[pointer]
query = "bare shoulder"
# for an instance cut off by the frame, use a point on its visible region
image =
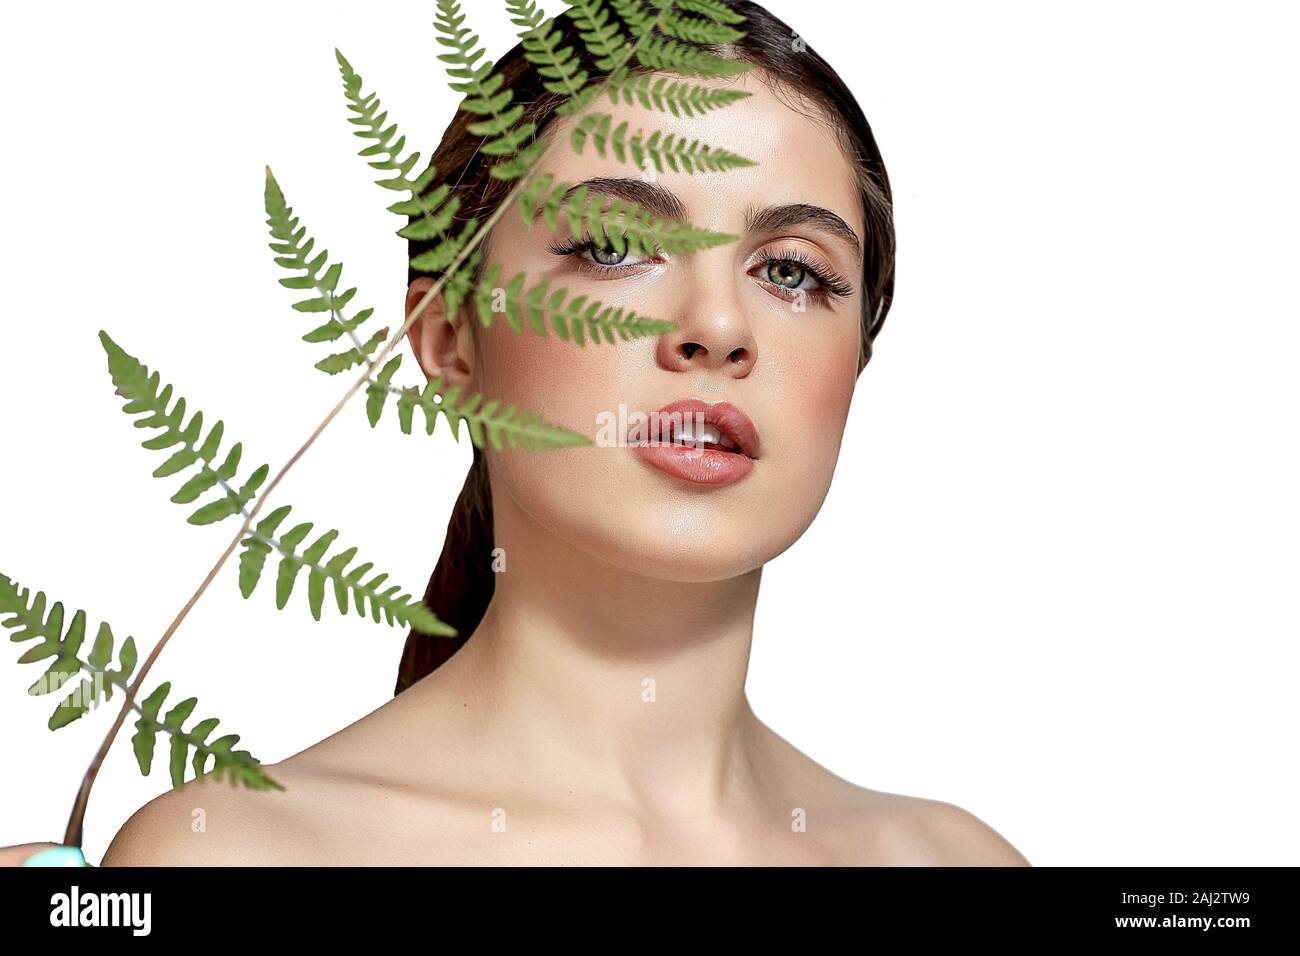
(210, 822)
(919, 831)
(866, 827)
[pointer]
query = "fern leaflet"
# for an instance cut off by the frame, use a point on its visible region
(662, 149)
(675, 97)
(503, 134)
(30, 619)
(292, 247)
(236, 766)
(135, 383)
(393, 606)
(621, 225)
(487, 421)
(713, 9)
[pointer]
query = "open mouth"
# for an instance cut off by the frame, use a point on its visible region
(699, 442)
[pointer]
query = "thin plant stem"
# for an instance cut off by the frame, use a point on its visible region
(73, 833)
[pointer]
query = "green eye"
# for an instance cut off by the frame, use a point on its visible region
(785, 273)
(607, 256)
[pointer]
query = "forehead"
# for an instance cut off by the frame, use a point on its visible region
(799, 156)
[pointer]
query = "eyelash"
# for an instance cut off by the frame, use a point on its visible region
(830, 284)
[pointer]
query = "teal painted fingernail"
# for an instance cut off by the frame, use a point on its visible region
(57, 856)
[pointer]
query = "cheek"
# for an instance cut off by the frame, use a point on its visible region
(567, 490)
(565, 383)
(820, 374)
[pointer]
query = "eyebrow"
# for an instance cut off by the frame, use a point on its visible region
(781, 218)
(662, 202)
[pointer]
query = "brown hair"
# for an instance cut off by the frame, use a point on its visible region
(462, 582)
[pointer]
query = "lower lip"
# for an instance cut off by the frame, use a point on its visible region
(703, 466)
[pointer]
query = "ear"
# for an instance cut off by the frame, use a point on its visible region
(443, 347)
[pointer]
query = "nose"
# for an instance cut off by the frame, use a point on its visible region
(722, 341)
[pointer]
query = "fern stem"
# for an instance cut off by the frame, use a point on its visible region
(73, 833)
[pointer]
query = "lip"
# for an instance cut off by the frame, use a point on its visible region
(704, 466)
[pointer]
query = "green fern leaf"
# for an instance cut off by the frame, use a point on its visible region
(621, 225)
(238, 767)
(30, 618)
(698, 30)
(599, 31)
(437, 259)
(574, 319)
(369, 116)
(359, 355)
(487, 421)
(293, 247)
(378, 391)
(713, 9)
(558, 65)
(664, 150)
(435, 208)
(147, 727)
(393, 606)
(634, 13)
(659, 93)
(670, 56)
(135, 383)
(503, 134)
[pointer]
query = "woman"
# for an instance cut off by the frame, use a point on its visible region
(597, 712)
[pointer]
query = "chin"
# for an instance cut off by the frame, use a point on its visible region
(691, 538)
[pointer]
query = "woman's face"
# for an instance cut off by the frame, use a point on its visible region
(769, 324)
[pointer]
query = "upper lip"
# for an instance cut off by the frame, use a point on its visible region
(725, 417)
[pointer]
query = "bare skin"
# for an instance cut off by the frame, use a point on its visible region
(598, 715)
(17, 855)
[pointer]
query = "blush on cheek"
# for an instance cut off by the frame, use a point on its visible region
(823, 382)
(564, 383)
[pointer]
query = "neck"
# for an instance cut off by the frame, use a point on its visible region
(633, 685)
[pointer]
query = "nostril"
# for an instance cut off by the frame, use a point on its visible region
(690, 348)
(740, 356)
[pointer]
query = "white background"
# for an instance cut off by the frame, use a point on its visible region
(1055, 579)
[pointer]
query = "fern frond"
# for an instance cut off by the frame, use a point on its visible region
(574, 319)
(238, 767)
(715, 11)
(599, 31)
(670, 56)
(435, 208)
(30, 616)
(634, 13)
(664, 150)
(369, 116)
(675, 97)
(487, 422)
(605, 41)
(621, 225)
(292, 247)
(698, 29)
(357, 355)
(558, 66)
(437, 259)
(135, 383)
(30, 619)
(503, 134)
(390, 604)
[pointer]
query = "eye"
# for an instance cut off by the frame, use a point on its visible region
(786, 273)
(600, 260)
(792, 273)
(607, 256)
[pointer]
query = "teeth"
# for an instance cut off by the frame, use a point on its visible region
(689, 434)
